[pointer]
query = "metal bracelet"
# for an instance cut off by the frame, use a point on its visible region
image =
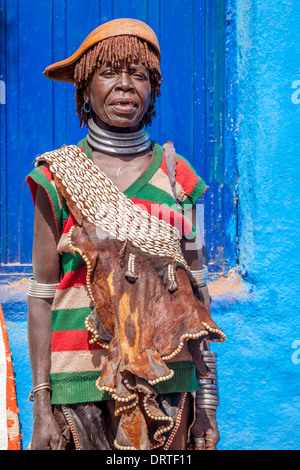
(211, 370)
(37, 388)
(36, 289)
(208, 393)
(208, 353)
(207, 380)
(200, 276)
(208, 387)
(207, 401)
(208, 396)
(209, 360)
(208, 407)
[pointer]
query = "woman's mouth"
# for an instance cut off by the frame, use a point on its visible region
(124, 106)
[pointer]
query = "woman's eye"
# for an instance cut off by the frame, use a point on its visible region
(139, 75)
(108, 73)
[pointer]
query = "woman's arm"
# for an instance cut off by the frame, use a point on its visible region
(193, 254)
(205, 429)
(46, 269)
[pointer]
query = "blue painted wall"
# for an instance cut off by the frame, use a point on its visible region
(260, 367)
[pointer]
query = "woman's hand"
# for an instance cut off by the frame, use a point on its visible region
(205, 430)
(46, 432)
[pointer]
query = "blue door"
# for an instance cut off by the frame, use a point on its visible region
(38, 115)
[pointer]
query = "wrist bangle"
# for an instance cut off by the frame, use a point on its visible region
(200, 276)
(44, 291)
(208, 396)
(37, 388)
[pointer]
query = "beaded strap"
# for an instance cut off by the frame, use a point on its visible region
(177, 424)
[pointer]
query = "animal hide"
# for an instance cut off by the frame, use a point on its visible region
(141, 323)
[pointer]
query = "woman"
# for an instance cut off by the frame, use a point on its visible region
(116, 319)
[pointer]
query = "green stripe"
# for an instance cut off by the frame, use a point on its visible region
(183, 380)
(195, 195)
(42, 180)
(65, 210)
(69, 319)
(78, 387)
(86, 148)
(81, 387)
(156, 195)
(71, 263)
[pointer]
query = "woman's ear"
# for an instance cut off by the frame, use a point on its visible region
(86, 92)
(152, 99)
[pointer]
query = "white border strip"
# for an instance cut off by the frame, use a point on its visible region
(3, 410)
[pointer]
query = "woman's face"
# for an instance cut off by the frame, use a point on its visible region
(120, 96)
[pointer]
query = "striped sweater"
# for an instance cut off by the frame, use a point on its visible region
(75, 363)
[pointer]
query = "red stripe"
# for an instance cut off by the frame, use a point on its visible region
(74, 279)
(73, 340)
(46, 172)
(33, 188)
(184, 175)
(69, 223)
(165, 213)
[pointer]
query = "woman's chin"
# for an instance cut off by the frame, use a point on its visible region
(121, 122)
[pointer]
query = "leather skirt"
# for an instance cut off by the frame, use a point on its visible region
(92, 426)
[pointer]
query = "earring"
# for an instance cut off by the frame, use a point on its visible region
(84, 107)
(150, 111)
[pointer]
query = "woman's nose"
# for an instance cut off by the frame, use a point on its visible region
(124, 81)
